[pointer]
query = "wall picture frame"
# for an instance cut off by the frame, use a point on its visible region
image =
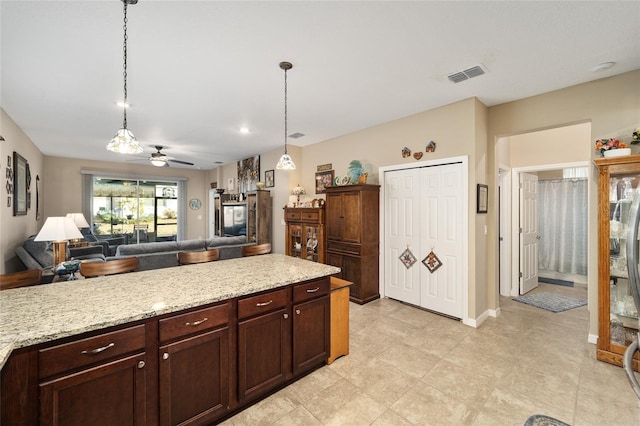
(482, 198)
(19, 185)
(324, 180)
(269, 178)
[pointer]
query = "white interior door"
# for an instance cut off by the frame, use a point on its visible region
(528, 232)
(402, 231)
(424, 212)
(441, 233)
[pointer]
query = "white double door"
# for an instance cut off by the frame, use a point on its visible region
(424, 213)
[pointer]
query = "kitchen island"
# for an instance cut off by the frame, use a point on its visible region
(242, 319)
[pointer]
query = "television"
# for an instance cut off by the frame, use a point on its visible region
(234, 219)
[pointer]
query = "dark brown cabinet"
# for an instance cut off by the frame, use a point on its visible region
(194, 371)
(305, 233)
(264, 344)
(259, 217)
(311, 329)
(353, 237)
(95, 381)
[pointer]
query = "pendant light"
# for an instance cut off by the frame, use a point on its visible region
(285, 163)
(124, 142)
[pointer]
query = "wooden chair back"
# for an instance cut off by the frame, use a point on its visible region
(256, 249)
(20, 279)
(116, 266)
(187, 257)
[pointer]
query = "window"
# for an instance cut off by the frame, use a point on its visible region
(141, 210)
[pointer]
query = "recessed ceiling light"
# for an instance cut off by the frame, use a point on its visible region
(603, 66)
(244, 130)
(122, 104)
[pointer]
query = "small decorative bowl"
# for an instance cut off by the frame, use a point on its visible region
(220, 190)
(260, 185)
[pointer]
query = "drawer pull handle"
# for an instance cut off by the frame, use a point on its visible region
(313, 290)
(141, 364)
(97, 351)
(196, 323)
(264, 304)
(285, 316)
(298, 311)
(165, 356)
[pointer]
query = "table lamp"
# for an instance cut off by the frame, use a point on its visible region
(58, 230)
(298, 191)
(80, 222)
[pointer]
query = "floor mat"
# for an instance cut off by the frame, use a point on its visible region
(555, 281)
(550, 301)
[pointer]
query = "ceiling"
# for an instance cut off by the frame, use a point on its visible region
(198, 71)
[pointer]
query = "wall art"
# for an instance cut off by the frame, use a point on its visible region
(19, 185)
(248, 174)
(482, 197)
(324, 180)
(269, 179)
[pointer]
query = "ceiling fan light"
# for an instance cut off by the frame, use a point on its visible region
(159, 162)
(285, 163)
(124, 142)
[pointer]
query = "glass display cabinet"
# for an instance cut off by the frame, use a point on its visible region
(618, 277)
(305, 233)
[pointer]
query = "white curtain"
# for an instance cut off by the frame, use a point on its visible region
(562, 214)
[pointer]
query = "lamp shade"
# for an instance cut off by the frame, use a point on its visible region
(285, 163)
(298, 190)
(78, 220)
(58, 228)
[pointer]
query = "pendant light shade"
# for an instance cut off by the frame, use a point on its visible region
(124, 142)
(285, 162)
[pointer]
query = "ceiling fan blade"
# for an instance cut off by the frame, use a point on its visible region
(181, 162)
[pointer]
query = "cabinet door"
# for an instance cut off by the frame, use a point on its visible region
(352, 217)
(312, 242)
(194, 378)
(334, 216)
(294, 242)
(264, 350)
(109, 394)
(310, 334)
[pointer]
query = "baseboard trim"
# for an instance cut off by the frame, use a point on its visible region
(475, 323)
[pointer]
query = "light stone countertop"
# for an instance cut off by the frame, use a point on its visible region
(34, 315)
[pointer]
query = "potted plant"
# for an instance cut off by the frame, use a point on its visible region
(612, 147)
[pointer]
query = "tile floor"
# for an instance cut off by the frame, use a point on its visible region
(411, 367)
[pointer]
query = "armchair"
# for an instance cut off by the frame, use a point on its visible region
(109, 245)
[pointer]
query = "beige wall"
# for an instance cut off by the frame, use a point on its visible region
(611, 105)
(63, 186)
(14, 229)
(458, 129)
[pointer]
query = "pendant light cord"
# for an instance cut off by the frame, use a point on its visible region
(285, 110)
(124, 73)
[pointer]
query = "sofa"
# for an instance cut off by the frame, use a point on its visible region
(39, 255)
(163, 254)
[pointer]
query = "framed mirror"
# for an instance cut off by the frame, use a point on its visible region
(20, 183)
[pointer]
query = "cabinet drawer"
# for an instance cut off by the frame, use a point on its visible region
(290, 216)
(310, 216)
(262, 303)
(344, 247)
(192, 322)
(88, 351)
(310, 290)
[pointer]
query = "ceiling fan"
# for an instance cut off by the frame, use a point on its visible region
(159, 159)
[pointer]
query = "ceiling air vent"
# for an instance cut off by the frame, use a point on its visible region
(296, 135)
(475, 71)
